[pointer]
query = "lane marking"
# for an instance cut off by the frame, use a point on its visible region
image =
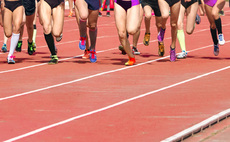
(113, 105)
(91, 76)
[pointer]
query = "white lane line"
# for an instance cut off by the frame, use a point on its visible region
(91, 76)
(197, 127)
(113, 105)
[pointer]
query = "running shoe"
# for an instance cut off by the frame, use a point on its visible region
(161, 35)
(216, 50)
(121, 48)
(34, 46)
(86, 54)
(131, 62)
(99, 14)
(182, 55)
(19, 46)
(82, 43)
(135, 51)
(4, 48)
(54, 60)
(30, 49)
(70, 14)
(146, 39)
(172, 54)
(108, 14)
(221, 39)
(198, 20)
(221, 13)
(92, 56)
(161, 50)
(10, 59)
(59, 38)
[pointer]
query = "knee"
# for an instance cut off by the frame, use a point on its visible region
(46, 28)
(173, 25)
(213, 26)
(165, 16)
(122, 34)
(148, 16)
(215, 14)
(92, 26)
(16, 28)
(180, 26)
(189, 31)
(8, 34)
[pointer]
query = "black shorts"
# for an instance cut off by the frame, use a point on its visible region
(187, 4)
(29, 6)
(12, 5)
(93, 4)
(54, 3)
(172, 2)
(154, 5)
(38, 0)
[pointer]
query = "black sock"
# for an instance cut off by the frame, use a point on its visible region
(218, 25)
(50, 42)
(214, 36)
(35, 27)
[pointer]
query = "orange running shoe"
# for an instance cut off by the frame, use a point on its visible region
(86, 54)
(131, 62)
(70, 14)
(146, 39)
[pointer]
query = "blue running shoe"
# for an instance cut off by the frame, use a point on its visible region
(198, 19)
(216, 50)
(82, 43)
(4, 48)
(92, 56)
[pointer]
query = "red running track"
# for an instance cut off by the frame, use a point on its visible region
(76, 100)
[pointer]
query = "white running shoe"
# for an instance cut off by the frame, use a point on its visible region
(221, 39)
(182, 55)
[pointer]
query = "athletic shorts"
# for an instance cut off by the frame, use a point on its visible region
(187, 4)
(29, 6)
(127, 4)
(199, 2)
(172, 2)
(38, 0)
(12, 5)
(210, 2)
(93, 4)
(154, 5)
(54, 3)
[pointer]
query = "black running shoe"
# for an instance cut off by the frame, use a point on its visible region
(135, 51)
(30, 48)
(108, 14)
(54, 60)
(121, 48)
(19, 46)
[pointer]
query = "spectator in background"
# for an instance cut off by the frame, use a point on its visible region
(107, 3)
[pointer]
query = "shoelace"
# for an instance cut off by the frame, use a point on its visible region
(82, 40)
(12, 57)
(220, 37)
(92, 54)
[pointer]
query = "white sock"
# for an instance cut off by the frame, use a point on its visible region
(13, 43)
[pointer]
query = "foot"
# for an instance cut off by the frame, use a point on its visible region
(34, 46)
(131, 62)
(182, 55)
(161, 35)
(135, 51)
(59, 38)
(86, 54)
(19, 46)
(146, 39)
(221, 39)
(54, 60)
(198, 20)
(108, 14)
(92, 56)
(4, 48)
(216, 50)
(161, 50)
(82, 43)
(70, 14)
(172, 54)
(30, 49)
(10, 59)
(100, 14)
(121, 48)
